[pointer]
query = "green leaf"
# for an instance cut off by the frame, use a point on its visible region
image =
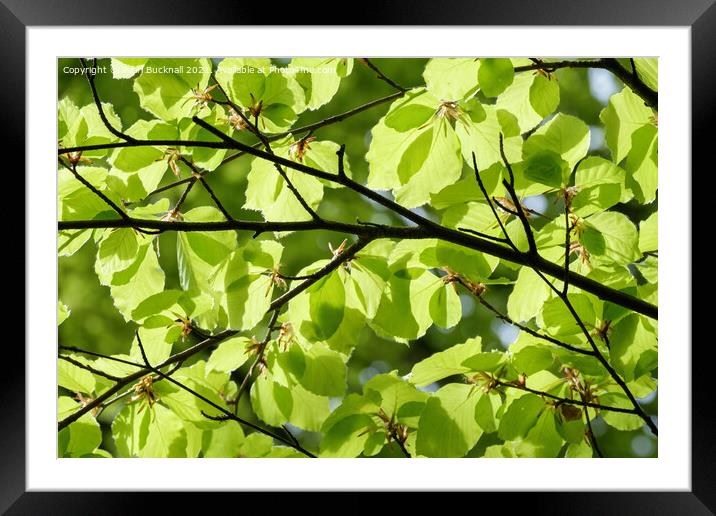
(75, 378)
(545, 167)
(82, 436)
(271, 401)
(445, 363)
(528, 296)
(619, 420)
(565, 135)
(399, 399)
(127, 67)
(629, 340)
(447, 425)
(411, 155)
(161, 303)
(199, 253)
(648, 70)
(346, 437)
(558, 320)
(543, 440)
(319, 369)
(649, 234)
(76, 201)
(625, 114)
(63, 312)
(530, 99)
(268, 193)
(117, 251)
(580, 450)
(155, 344)
(136, 171)
(143, 278)
(531, 359)
(599, 184)
(445, 307)
(165, 86)
(245, 293)
(495, 75)
(82, 127)
(613, 236)
(452, 78)
(71, 241)
(165, 434)
(481, 135)
(327, 299)
(572, 430)
(521, 415)
(404, 311)
(255, 84)
(206, 158)
(486, 361)
(642, 163)
(225, 441)
(320, 77)
(229, 355)
(486, 411)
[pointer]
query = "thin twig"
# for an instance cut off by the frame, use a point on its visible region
(566, 401)
(522, 327)
(510, 186)
(88, 368)
(380, 74)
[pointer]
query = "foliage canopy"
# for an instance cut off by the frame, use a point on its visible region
(490, 183)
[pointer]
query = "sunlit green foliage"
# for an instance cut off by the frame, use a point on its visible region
(463, 393)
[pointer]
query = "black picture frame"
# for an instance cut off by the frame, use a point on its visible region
(17, 15)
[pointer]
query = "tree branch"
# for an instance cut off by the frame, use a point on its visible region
(649, 96)
(522, 327)
(566, 401)
(226, 413)
(381, 231)
(380, 74)
(563, 295)
(510, 186)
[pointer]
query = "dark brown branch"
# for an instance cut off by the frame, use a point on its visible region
(341, 155)
(428, 228)
(381, 231)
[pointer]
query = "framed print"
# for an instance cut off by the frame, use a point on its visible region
(434, 268)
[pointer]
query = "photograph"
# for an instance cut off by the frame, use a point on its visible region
(357, 257)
